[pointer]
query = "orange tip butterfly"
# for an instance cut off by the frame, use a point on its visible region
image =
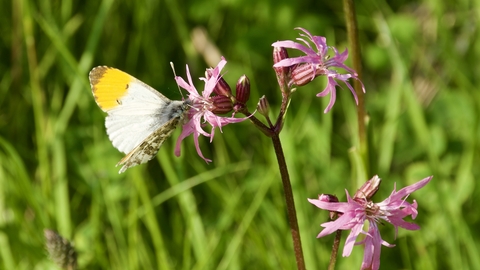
(139, 118)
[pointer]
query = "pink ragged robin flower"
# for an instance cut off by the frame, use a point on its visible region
(203, 106)
(354, 213)
(316, 62)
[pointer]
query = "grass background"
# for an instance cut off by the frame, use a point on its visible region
(57, 168)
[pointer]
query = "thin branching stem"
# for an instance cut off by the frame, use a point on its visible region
(274, 132)
(291, 212)
(268, 131)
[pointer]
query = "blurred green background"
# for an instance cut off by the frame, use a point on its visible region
(57, 166)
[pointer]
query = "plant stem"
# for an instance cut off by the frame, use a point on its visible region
(352, 30)
(287, 188)
(336, 244)
(268, 131)
(274, 133)
(283, 111)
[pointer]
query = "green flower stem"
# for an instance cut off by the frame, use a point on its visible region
(292, 215)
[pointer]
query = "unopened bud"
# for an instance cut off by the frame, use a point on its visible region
(279, 53)
(330, 198)
(305, 73)
(368, 189)
(283, 73)
(221, 88)
(263, 107)
(243, 90)
(221, 104)
(60, 250)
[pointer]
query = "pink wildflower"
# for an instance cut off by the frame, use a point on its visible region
(356, 211)
(315, 63)
(203, 106)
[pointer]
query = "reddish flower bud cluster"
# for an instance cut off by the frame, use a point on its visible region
(223, 101)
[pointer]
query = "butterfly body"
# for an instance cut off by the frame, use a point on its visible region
(139, 118)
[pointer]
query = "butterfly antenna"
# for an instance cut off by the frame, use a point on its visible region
(175, 74)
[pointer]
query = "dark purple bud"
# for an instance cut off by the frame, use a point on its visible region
(283, 73)
(263, 106)
(330, 198)
(221, 104)
(243, 90)
(279, 53)
(368, 189)
(221, 88)
(327, 198)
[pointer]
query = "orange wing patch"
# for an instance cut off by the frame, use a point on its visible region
(109, 85)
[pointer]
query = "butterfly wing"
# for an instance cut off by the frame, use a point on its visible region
(135, 110)
(149, 147)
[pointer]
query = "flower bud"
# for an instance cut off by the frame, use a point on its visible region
(330, 198)
(60, 250)
(368, 189)
(283, 73)
(243, 90)
(302, 74)
(280, 53)
(305, 73)
(221, 88)
(221, 104)
(263, 106)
